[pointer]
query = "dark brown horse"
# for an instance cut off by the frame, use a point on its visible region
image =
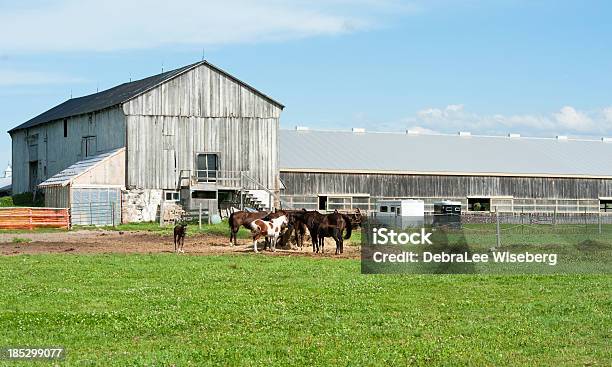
(180, 230)
(308, 219)
(332, 226)
(242, 218)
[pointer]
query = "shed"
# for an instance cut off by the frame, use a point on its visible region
(91, 188)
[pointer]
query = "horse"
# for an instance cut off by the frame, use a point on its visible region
(309, 220)
(242, 218)
(180, 230)
(332, 226)
(269, 229)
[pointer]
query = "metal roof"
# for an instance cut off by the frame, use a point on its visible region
(66, 176)
(373, 152)
(120, 94)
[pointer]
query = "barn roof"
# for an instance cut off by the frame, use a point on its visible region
(120, 94)
(369, 152)
(67, 175)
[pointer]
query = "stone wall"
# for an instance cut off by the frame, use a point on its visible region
(140, 205)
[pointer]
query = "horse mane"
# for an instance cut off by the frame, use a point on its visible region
(349, 226)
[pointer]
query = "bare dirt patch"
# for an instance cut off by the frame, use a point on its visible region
(95, 242)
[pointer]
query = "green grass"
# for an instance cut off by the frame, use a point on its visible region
(118, 310)
(6, 201)
(20, 240)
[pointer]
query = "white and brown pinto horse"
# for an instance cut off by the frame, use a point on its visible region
(271, 229)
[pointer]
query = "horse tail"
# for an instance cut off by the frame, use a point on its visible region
(349, 227)
(230, 220)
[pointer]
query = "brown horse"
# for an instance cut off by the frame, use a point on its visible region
(332, 226)
(180, 230)
(305, 219)
(242, 218)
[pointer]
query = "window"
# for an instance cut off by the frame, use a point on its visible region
(65, 128)
(479, 204)
(88, 146)
(384, 209)
(172, 196)
(605, 206)
(207, 165)
(322, 202)
(392, 209)
(201, 194)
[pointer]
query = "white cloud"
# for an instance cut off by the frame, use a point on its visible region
(71, 25)
(568, 120)
(571, 119)
(607, 112)
(19, 77)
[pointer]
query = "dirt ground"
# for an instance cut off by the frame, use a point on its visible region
(94, 242)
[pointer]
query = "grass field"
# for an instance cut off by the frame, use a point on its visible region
(118, 310)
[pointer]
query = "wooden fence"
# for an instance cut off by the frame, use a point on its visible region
(30, 218)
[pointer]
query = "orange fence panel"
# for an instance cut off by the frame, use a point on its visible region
(30, 218)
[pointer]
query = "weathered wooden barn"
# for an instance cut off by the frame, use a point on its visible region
(191, 135)
(329, 170)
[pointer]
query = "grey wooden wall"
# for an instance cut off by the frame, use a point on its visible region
(200, 111)
(443, 186)
(160, 146)
(56, 152)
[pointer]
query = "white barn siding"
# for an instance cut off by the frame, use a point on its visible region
(202, 110)
(202, 92)
(160, 146)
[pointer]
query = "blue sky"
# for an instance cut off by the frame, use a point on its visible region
(539, 68)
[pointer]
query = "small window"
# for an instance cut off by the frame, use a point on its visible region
(172, 196)
(397, 211)
(479, 204)
(384, 209)
(392, 209)
(322, 202)
(201, 194)
(605, 206)
(65, 128)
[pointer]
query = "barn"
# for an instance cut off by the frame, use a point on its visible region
(194, 136)
(345, 170)
(198, 137)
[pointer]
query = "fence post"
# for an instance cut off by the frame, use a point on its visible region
(200, 216)
(599, 222)
(112, 207)
(90, 215)
(209, 212)
(161, 213)
(523, 219)
(497, 230)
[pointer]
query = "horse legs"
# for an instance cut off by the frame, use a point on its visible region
(273, 243)
(175, 245)
(255, 238)
(339, 243)
(182, 239)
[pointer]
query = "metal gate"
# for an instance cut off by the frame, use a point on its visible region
(95, 206)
